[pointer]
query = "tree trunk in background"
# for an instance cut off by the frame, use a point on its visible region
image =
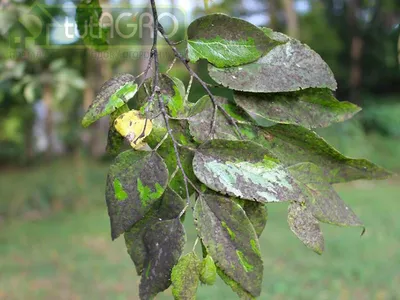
(88, 95)
(292, 24)
(272, 11)
(356, 52)
(47, 100)
(398, 49)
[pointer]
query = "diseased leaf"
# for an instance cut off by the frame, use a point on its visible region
(134, 127)
(185, 277)
(322, 200)
(225, 41)
(180, 130)
(257, 214)
(230, 240)
(276, 36)
(164, 242)
(169, 207)
(113, 94)
(201, 116)
(243, 295)
(305, 226)
(289, 67)
(310, 108)
(88, 15)
(294, 144)
(208, 271)
(114, 139)
(172, 93)
(135, 181)
(244, 169)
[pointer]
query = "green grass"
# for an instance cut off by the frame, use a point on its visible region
(66, 184)
(70, 256)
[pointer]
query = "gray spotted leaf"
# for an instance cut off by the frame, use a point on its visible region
(245, 170)
(288, 67)
(295, 144)
(164, 241)
(305, 226)
(135, 181)
(167, 208)
(310, 108)
(257, 214)
(322, 200)
(230, 240)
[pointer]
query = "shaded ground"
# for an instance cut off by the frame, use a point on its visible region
(70, 256)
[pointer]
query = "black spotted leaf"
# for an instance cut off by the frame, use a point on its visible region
(114, 139)
(295, 144)
(185, 277)
(287, 67)
(322, 200)
(257, 214)
(201, 115)
(225, 41)
(169, 207)
(245, 170)
(88, 16)
(208, 271)
(135, 181)
(164, 241)
(113, 94)
(310, 108)
(230, 240)
(305, 226)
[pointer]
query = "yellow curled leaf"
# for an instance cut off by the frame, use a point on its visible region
(134, 127)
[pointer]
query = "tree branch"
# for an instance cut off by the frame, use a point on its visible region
(231, 120)
(157, 94)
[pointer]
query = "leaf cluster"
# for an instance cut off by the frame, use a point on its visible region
(230, 158)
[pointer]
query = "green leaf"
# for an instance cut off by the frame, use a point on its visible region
(180, 86)
(310, 108)
(288, 67)
(88, 15)
(305, 226)
(114, 139)
(230, 240)
(243, 295)
(225, 41)
(294, 144)
(135, 181)
(257, 214)
(208, 271)
(201, 115)
(169, 207)
(243, 169)
(185, 277)
(164, 242)
(172, 93)
(322, 200)
(113, 94)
